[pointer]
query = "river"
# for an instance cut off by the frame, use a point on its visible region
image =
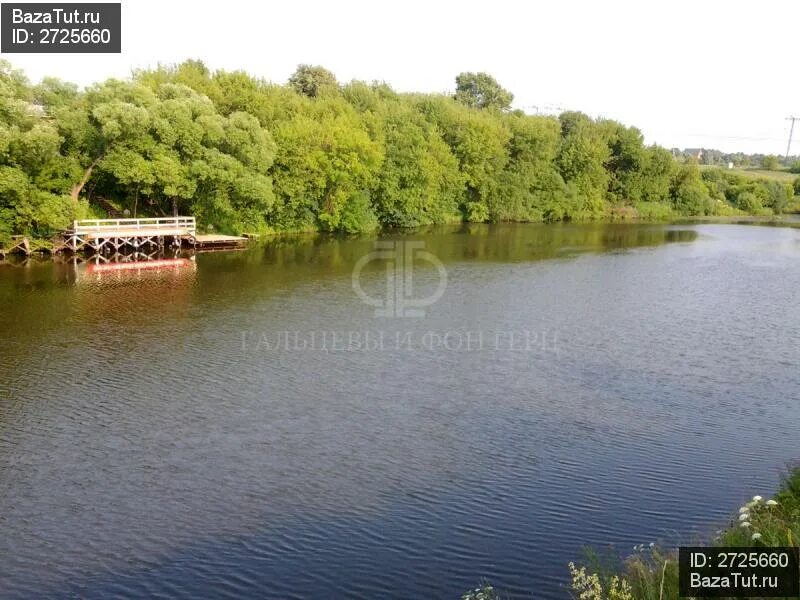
(318, 417)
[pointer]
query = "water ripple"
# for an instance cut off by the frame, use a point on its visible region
(146, 451)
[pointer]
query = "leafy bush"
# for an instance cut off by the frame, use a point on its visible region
(655, 211)
(749, 202)
(357, 215)
(765, 196)
(484, 592)
(770, 162)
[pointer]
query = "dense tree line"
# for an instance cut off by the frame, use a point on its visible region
(243, 154)
(712, 157)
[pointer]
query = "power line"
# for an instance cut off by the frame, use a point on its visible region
(545, 109)
(734, 137)
(791, 131)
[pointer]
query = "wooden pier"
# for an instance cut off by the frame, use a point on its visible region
(221, 242)
(104, 235)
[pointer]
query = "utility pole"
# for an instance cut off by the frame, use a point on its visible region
(791, 131)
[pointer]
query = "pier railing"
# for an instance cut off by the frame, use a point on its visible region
(168, 224)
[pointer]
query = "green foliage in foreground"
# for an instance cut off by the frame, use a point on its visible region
(242, 154)
(652, 574)
(484, 592)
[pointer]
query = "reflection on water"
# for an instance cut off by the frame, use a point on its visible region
(132, 269)
(145, 450)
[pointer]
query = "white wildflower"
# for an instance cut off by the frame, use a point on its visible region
(744, 516)
(756, 536)
(757, 498)
(744, 524)
(772, 503)
(744, 509)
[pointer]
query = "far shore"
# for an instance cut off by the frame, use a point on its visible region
(42, 248)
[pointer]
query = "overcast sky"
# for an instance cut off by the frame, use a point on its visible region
(714, 74)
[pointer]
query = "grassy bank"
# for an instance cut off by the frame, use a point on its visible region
(783, 175)
(651, 573)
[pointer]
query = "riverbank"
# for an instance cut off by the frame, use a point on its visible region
(786, 220)
(651, 572)
(44, 248)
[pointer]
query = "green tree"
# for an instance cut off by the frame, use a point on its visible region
(420, 182)
(689, 194)
(626, 163)
(777, 195)
(581, 160)
(325, 166)
(242, 154)
(770, 162)
(748, 202)
(656, 174)
(478, 140)
(32, 198)
(481, 90)
(171, 147)
(312, 81)
(530, 188)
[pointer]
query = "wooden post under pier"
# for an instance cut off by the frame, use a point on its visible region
(19, 244)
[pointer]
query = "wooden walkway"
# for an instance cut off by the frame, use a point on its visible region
(104, 236)
(219, 241)
(115, 234)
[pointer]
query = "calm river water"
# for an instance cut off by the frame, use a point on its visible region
(246, 426)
